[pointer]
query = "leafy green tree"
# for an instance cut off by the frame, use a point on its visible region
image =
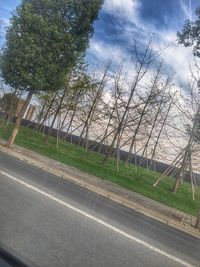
(189, 36)
(43, 42)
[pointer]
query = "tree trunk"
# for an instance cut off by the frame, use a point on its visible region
(39, 117)
(152, 128)
(10, 115)
(42, 123)
(89, 116)
(176, 185)
(198, 221)
(19, 119)
(46, 140)
(149, 98)
(93, 106)
(159, 134)
(183, 170)
(187, 156)
(121, 125)
(73, 115)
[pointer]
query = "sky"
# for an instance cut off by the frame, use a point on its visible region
(123, 21)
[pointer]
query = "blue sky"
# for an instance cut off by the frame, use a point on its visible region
(122, 21)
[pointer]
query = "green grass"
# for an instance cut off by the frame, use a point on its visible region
(140, 181)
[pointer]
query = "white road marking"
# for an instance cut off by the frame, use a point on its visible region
(107, 225)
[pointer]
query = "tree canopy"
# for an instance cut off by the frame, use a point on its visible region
(43, 41)
(190, 34)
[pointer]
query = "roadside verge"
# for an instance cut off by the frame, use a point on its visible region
(151, 208)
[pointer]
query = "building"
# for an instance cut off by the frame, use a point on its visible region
(17, 104)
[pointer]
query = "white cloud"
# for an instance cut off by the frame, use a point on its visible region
(105, 52)
(186, 6)
(121, 7)
(177, 57)
(4, 22)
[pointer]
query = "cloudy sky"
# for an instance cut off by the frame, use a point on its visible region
(122, 21)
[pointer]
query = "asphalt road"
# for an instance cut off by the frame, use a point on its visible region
(46, 221)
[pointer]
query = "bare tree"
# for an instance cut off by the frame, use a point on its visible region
(153, 92)
(183, 163)
(141, 66)
(96, 93)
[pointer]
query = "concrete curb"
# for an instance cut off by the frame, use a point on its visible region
(123, 199)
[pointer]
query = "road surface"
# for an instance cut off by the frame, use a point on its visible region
(46, 221)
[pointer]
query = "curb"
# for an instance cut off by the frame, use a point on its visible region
(123, 200)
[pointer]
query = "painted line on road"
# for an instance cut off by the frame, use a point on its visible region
(93, 218)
